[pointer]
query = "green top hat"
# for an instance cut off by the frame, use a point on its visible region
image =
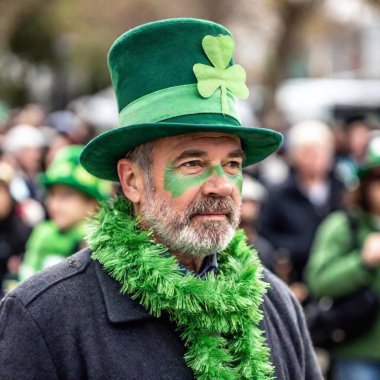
(174, 77)
(372, 160)
(65, 169)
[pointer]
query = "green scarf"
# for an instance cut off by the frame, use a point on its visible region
(217, 316)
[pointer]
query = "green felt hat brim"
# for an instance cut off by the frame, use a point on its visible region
(47, 181)
(100, 156)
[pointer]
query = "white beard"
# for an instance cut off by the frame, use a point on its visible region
(180, 233)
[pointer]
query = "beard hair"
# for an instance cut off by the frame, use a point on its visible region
(180, 234)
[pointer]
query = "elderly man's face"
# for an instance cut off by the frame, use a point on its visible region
(312, 159)
(193, 201)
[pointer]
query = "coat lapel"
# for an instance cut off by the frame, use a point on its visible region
(120, 308)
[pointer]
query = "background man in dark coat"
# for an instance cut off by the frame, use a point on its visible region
(293, 210)
(174, 293)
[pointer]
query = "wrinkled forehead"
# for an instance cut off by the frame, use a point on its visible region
(204, 140)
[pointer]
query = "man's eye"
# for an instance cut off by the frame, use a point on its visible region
(234, 164)
(192, 164)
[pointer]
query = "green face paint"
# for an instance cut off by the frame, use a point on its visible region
(177, 184)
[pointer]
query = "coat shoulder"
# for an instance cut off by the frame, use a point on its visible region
(287, 334)
(277, 286)
(279, 299)
(40, 283)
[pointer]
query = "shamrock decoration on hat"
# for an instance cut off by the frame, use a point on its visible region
(174, 77)
(219, 51)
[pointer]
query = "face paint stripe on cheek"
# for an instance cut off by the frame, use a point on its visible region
(177, 185)
(237, 180)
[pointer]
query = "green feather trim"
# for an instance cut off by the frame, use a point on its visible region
(217, 317)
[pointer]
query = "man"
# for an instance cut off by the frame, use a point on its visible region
(166, 291)
(14, 232)
(293, 210)
(24, 143)
(355, 134)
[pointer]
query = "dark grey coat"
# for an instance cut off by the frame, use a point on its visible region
(71, 322)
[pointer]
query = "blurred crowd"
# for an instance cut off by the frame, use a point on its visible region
(313, 213)
(294, 206)
(45, 194)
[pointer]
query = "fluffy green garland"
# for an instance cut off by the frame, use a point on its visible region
(217, 317)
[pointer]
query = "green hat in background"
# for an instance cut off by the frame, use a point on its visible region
(65, 169)
(173, 77)
(372, 160)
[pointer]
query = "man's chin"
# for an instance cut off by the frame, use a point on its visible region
(201, 241)
(211, 237)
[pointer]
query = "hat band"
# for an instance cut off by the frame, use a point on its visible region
(172, 102)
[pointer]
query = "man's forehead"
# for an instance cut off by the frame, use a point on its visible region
(201, 138)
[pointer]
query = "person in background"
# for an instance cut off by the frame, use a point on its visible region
(68, 129)
(73, 194)
(355, 135)
(253, 195)
(13, 231)
(337, 269)
(293, 210)
(24, 144)
(31, 114)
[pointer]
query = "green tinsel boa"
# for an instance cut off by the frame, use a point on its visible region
(217, 317)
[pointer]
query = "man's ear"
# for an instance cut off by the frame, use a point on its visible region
(131, 179)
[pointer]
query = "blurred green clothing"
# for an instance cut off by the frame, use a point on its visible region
(335, 270)
(48, 245)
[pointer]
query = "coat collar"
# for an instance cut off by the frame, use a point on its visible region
(120, 308)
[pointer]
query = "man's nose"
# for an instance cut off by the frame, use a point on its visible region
(217, 185)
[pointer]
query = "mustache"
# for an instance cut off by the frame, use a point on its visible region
(223, 205)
